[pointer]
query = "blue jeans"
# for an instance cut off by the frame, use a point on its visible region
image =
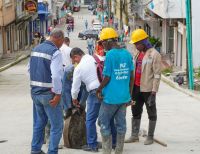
(66, 98)
(90, 49)
(93, 106)
(107, 113)
(42, 111)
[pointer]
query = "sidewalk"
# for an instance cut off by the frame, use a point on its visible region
(11, 59)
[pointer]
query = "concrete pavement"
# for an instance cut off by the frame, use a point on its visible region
(178, 114)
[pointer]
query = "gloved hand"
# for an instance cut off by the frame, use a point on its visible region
(151, 100)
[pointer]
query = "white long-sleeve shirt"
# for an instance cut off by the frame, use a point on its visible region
(65, 51)
(86, 72)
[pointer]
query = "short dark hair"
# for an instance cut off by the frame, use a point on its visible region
(76, 51)
(66, 39)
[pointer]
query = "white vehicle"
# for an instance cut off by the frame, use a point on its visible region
(97, 26)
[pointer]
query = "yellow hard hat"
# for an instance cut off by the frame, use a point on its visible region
(138, 35)
(107, 33)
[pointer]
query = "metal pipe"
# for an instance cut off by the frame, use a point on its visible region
(121, 18)
(189, 43)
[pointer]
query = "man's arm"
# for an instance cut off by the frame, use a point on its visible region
(76, 84)
(107, 73)
(102, 85)
(131, 82)
(157, 73)
(57, 74)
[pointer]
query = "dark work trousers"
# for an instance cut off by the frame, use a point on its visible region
(141, 98)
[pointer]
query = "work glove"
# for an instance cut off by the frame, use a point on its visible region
(151, 100)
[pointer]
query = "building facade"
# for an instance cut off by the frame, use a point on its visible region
(26, 14)
(195, 5)
(164, 20)
(7, 26)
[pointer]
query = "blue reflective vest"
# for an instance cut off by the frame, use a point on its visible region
(40, 72)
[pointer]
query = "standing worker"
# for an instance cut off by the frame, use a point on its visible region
(86, 72)
(115, 89)
(65, 51)
(146, 84)
(46, 72)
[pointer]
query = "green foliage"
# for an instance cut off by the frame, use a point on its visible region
(167, 71)
(198, 72)
(155, 42)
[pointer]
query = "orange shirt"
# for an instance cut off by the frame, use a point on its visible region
(99, 50)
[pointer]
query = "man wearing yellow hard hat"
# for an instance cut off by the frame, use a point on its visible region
(146, 84)
(115, 90)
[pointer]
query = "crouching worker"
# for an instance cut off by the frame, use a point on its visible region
(66, 98)
(115, 90)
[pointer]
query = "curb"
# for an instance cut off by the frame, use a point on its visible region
(21, 58)
(177, 87)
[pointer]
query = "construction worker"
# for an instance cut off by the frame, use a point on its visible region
(86, 72)
(115, 90)
(146, 84)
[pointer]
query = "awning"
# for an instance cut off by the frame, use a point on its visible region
(43, 12)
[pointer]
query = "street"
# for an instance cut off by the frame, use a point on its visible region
(178, 114)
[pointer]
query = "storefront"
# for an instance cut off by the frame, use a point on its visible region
(42, 20)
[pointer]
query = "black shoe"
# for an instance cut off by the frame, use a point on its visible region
(41, 152)
(113, 147)
(99, 145)
(91, 149)
(67, 113)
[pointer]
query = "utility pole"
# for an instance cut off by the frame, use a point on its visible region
(121, 7)
(189, 44)
(102, 18)
(109, 11)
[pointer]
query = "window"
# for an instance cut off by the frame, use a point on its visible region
(7, 1)
(22, 6)
(171, 40)
(147, 28)
(8, 38)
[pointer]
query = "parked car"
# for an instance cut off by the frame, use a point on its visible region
(76, 7)
(91, 32)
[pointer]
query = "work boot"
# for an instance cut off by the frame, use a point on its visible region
(135, 131)
(107, 144)
(119, 144)
(149, 139)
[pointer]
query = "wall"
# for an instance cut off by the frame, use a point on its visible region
(7, 15)
(168, 8)
(195, 32)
